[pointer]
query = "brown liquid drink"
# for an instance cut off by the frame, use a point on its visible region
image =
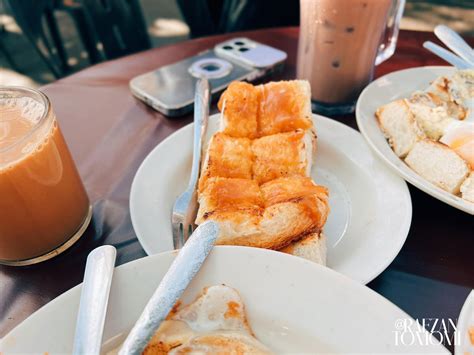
(44, 207)
(338, 44)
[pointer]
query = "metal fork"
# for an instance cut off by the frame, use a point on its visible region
(185, 206)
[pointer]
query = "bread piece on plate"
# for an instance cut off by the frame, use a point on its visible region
(256, 111)
(226, 157)
(272, 216)
(467, 188)
(285, 106)
(235, 204)
(239, 106)
(282, 154)
(464, 82)
(399, 126)
(430, 113)
(452, 93)
(311, 247)
(438, 164)
(222, 195)
(294, 206)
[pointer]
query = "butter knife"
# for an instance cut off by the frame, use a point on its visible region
(183, 269)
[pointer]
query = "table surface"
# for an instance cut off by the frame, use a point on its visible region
(110, 133)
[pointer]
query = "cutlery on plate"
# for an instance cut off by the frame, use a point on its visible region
(94, 298)
(455, 42)
(185, 206)
(448, 56)
(183, 269)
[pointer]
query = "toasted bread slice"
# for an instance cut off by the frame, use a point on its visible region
(229, 195)
(438, 164)
(311, 247)
(236, 204)
(285, 106)
(227, 157)
(239, 105)
(399, 126)
(256, 111)
(467, 188)
(272, 216)
(282, 154)
(289, 189)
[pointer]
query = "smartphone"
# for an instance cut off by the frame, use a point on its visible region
(170, 89)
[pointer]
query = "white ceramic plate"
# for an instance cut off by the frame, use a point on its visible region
(388, 88)
(463, 344)
(293, 306)
(370, 206)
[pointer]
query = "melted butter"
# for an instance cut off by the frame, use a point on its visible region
(230, 194)
(281, 109)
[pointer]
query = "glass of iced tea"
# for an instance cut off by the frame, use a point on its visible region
(340, 43)
(44, 207)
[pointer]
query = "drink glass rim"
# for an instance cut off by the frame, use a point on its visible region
(34, 94)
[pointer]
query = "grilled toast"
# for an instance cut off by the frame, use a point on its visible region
(255, 176)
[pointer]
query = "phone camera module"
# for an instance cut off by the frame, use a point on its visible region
(210, 68)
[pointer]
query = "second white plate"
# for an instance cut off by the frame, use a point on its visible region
(388, 88)
(370, 206)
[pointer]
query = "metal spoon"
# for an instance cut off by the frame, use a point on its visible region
(448, 56)
(455, 42)
(183, 269)
(94, 298)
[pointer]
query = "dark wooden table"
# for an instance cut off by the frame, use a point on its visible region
(110, 133)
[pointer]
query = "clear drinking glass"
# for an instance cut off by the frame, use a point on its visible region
(340, 43)
(44, 207)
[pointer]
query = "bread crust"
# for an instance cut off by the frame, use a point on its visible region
(311, 247)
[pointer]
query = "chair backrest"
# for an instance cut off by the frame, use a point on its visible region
(119, 26)
(36, 20)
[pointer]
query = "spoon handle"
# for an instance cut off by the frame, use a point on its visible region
(94, 298)
(455, 42)
(448, 56)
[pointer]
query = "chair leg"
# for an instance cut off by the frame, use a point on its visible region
(7, 55)
(87, 35)
(57, 40)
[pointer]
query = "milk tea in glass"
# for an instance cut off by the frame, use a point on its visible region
(44, 207)
(340, 42)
